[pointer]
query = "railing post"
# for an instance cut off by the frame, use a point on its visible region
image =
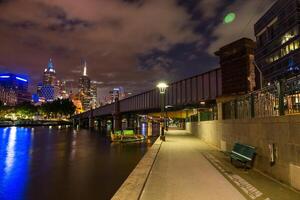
(280, 89)
(235, 109)
(251, 101)
(220, 110)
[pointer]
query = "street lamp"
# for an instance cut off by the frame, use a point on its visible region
(162, 86)
(260, 74)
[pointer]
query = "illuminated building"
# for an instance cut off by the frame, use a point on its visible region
(49, 89)
(70, 87)
(49, 77)
(85, 89)
(118, 93)
(8, 96)
(277, 35)
(93, 92)
(18, 84)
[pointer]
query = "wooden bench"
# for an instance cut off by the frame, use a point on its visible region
(243, 153)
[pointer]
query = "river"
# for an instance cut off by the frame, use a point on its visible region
(63, 163)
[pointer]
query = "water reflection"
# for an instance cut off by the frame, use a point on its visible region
(63, 163)
(144, 129)
(14, 162)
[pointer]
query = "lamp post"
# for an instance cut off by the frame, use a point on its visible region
(260, 74)
(162, 86)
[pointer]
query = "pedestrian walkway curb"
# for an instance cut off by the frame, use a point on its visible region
(134, 184)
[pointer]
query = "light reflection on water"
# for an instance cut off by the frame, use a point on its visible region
(62, 163)
(14, 162)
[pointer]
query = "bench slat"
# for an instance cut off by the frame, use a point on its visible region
(241, 155)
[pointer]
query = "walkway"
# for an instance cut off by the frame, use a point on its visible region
(182, 172)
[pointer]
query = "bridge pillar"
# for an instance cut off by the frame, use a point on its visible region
(91, 122)
(98, 125)
(79, 122)
(74, 122)
(138, 124)
(91, 119)
(104, 128)
(130, 122)
(117, 117)
(149, 131)
(117, 122)
(220, 110)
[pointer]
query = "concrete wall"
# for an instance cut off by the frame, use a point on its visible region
(283, 131)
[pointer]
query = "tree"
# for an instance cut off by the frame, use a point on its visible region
(62, 107)
(25, 109)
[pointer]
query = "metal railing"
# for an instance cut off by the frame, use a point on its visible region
(281, 98)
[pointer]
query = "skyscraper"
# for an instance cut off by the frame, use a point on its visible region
(84, 80)
(49, 77)
(85, 89)
(48, 90)
(94, 95)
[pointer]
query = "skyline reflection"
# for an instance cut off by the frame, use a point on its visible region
(62, 163)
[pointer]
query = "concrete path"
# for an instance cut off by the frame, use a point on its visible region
(181, 172)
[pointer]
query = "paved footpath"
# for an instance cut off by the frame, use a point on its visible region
(182, 172)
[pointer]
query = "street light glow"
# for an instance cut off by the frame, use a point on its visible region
(162, 86)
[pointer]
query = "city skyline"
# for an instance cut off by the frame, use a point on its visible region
(150, 99)
(120, 50)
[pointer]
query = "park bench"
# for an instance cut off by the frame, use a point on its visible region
(243, 153)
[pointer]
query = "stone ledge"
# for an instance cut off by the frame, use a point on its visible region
(134, 184)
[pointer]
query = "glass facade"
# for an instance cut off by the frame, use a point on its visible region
(18, 84)
(285, 50)
(278, 40)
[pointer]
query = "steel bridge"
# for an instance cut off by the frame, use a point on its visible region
(192, 91)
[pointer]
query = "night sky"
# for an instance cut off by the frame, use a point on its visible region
(129, 43)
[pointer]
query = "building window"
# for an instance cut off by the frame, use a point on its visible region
(283, 51)
(289, 35)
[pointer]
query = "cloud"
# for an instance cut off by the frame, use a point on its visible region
(247, 13)
(109, 34)
(209, 8)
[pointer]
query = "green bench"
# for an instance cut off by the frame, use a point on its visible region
(243, 153)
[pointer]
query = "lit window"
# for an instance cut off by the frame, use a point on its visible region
(292, 46)
(289, 35)
(296, 44)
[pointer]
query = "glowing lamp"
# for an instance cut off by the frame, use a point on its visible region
(162, 87)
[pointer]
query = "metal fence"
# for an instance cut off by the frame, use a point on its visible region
(281, 98)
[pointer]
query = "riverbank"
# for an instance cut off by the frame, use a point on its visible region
(25, 123)
(133, 186)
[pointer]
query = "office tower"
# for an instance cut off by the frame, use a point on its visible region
(277, 35)
(16, 83)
